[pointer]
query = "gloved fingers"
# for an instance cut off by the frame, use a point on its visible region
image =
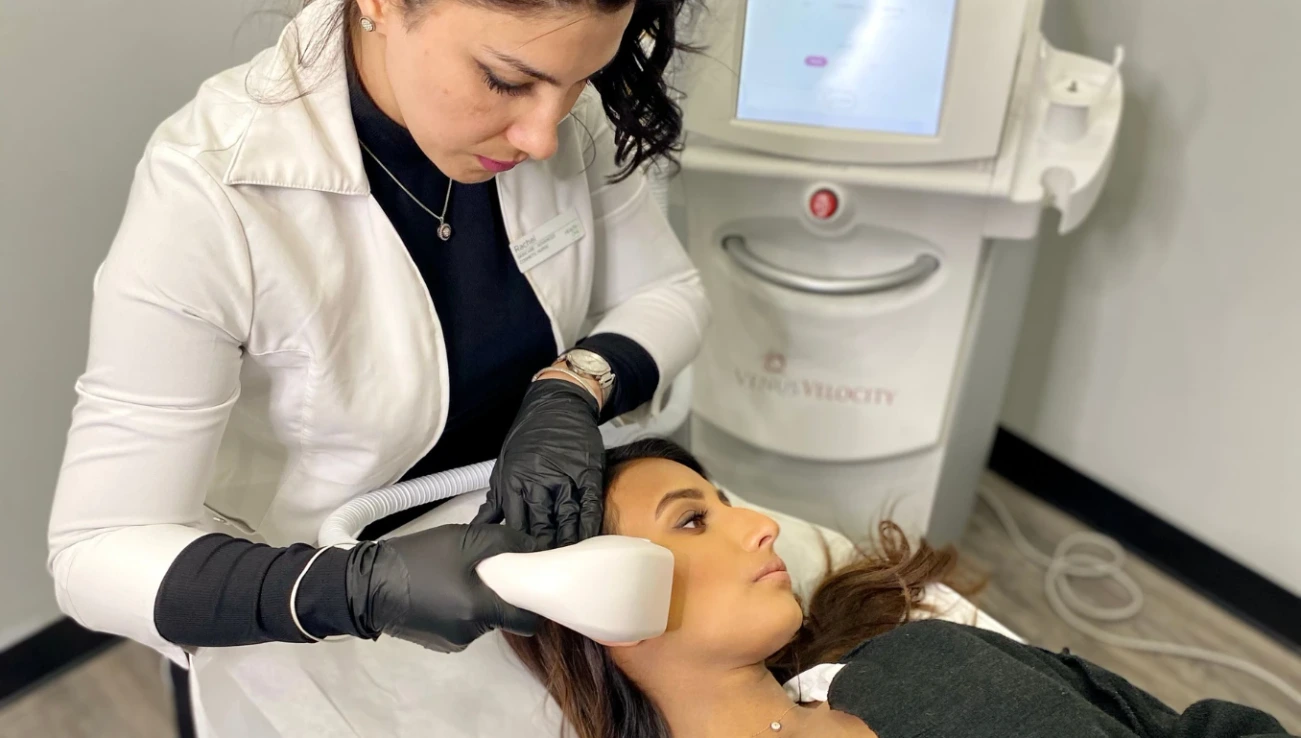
(516, 510)
(490, 512)
(484, 543)
(591, 515)
(481, 542)
(541, 522)
(430, 641)
(514, 620)
(567, 512)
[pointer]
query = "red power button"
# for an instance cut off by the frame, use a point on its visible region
(824, 204)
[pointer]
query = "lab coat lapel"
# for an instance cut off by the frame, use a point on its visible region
(532, 195)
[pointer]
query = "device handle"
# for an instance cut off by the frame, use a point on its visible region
(922, 267)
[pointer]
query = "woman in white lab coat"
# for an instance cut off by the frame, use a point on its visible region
(409, 237)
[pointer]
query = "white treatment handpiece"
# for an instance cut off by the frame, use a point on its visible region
(612, 589)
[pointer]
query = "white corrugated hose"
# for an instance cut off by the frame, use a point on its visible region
(344, 524)
(1068, 561)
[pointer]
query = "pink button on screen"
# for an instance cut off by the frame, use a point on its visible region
(815, 61)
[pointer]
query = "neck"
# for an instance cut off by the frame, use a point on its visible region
(735, 702)
(368, 57)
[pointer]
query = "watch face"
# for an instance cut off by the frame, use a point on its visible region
(589, 362)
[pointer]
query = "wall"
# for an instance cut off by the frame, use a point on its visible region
(82, 86)
(1162, 346)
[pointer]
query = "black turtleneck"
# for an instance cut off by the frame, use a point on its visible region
(496, 333)
(495, 330)
(225, 591)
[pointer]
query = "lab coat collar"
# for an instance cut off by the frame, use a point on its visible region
(301, 134)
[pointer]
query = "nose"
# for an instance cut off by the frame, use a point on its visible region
(761, 531)
(534, 133)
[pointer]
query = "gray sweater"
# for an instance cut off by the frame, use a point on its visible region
(943, 680)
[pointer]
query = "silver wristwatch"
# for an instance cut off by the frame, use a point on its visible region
(591, 365)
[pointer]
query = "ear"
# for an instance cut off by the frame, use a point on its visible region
(384, 13)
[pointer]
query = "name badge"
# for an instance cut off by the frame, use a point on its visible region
(549, 239)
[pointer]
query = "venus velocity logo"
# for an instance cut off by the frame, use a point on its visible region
(773, 380)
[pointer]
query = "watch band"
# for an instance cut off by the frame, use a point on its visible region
(578, 378)
(590, 364)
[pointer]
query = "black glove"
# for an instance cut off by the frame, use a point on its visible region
(423, 587)
(548, 478)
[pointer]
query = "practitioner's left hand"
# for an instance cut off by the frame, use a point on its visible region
(548, 478)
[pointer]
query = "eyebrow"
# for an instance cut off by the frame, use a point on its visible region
(524, 68)
(686, 494)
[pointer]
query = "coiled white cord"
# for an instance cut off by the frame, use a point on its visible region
(1069, 561)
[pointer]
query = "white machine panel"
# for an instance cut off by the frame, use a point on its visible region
(819, 370)
(847, 162)
(864, 66)
(857, 81)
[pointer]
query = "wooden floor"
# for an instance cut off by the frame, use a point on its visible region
(120, 693)
(117, 694)
(1172, 613)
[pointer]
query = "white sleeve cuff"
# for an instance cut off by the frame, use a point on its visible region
(109, 582)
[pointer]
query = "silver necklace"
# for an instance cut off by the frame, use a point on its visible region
(444, 228)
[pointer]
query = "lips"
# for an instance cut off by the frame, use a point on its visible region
(496, 165)
(775, 566)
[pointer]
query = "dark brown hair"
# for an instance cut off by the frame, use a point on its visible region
(634, 90)
(879, 590)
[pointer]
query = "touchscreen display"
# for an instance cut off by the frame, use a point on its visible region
(865, 65)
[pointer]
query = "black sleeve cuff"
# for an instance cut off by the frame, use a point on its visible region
(226, 591)
(636, 374)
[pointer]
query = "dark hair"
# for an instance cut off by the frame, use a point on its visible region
(635, 93)
(878, 591)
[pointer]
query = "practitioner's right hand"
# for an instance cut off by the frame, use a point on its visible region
(423, 587)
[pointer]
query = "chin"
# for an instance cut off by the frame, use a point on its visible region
(783, 623)
(477, 176)
(471, 176)
(795, 617)
(462, 169)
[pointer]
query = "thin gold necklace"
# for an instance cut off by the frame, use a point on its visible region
(444, 228)
(776, 725)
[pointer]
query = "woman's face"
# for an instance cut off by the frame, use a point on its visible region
(480, 88)
(730, 605)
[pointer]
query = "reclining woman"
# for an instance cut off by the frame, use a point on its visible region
(867, 664)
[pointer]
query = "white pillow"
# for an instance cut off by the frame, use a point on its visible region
(395, 689)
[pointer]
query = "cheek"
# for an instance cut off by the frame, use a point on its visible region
(444, 103)
(409, 66)
(701, 594)
(731, 618)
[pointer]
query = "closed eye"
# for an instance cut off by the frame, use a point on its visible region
(501, 86)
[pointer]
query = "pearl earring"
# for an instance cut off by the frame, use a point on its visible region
(367, 24)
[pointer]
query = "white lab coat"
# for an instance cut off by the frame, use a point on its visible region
(262, 347)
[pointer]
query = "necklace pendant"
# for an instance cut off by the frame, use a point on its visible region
(445, 231)
(776, 727)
